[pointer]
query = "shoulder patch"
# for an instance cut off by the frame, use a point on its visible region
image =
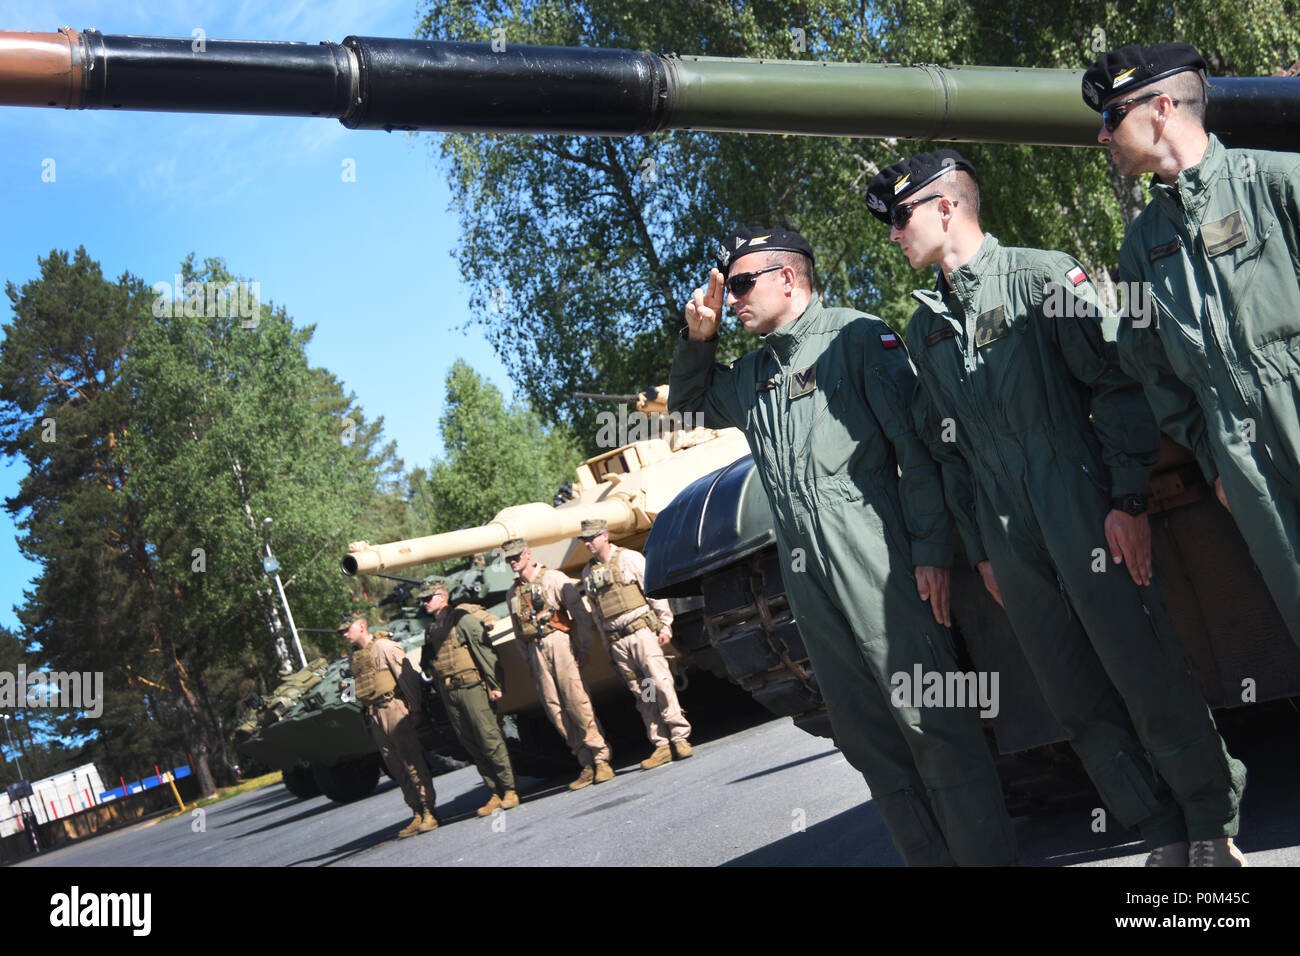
(890, 340)
(1076, 275)
(934, 338)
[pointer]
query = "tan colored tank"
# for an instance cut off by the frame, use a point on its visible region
(627, 486)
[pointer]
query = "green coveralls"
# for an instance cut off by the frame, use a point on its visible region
(829, 461)
(468, 708)
(1012, 359)
(1220, 358)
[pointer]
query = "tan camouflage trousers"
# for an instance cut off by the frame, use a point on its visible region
(399, 745)
(640, 661)
(564, 697)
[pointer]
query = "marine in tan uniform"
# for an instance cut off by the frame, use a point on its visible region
(637, 629)
(460, 660)
(555, 631)
(389, 689)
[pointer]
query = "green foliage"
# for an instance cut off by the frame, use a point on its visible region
(579, 253)
(496, 455)
(179, 427)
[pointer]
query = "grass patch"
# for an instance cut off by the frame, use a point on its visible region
(225, 793)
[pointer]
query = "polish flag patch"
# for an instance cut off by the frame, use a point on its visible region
(1077, 275)
(889, 340)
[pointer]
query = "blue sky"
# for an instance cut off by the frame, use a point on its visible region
(368, 262)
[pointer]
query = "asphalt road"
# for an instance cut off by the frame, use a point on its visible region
(766, 795)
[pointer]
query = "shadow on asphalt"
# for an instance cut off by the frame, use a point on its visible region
(1268, 741)
(786, 766)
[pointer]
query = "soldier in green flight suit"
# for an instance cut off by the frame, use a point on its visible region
(823, 404)
(1211, 264)
(463, 665)
(1045, 447)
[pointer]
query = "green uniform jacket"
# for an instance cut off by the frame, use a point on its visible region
(474, 635)
(790, 399)
(1219, 348)
(1013, 360)
(857, 502)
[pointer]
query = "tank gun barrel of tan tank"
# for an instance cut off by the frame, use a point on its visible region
(384, 83)
(651, 400)
(536, 523)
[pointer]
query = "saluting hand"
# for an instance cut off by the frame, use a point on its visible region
(932, 585)
(1129, 537)
(705, 309)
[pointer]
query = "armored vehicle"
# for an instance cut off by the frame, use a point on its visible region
(696, 509)
(311, 726)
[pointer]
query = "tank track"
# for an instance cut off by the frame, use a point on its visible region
(751, 628)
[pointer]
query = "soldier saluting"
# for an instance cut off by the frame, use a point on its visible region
(637, 629)
(468, 674)
(857, 499)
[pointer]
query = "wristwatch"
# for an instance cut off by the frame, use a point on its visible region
(1130, 504)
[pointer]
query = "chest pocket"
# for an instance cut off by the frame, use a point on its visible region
(1250, 278)
(832, 434)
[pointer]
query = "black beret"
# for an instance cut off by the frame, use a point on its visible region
(747, 239)
(894, 184)
(1133, 67)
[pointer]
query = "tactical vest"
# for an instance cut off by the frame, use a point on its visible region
(370, 680)
(453, 659)
(613, 593)
(521, 603)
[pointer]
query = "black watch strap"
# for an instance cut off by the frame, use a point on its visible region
(1130, 504)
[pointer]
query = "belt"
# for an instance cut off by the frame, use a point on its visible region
(645, 620)
(457, 683)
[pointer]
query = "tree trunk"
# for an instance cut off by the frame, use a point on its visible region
(197, 739)
(1128, 191)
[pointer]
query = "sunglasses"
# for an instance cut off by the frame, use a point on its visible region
(901, 214)
(1112, 116)
(739, 285)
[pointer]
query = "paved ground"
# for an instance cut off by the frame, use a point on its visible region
(765, 795)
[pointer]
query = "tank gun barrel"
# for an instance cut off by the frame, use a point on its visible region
(651, 400)
(599, 397)
(537, 523)
(382, 83)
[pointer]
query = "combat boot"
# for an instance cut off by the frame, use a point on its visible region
(682, 749)
(412, 828)
(1175, 854)
(661, 756)
(1221, 852)
(428, 821)
(604, 771)
(509, 800)
(488, 807)
(585, 779)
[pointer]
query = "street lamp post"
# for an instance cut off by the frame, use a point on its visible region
(36, 843)
(272, 567)
(11, 747)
